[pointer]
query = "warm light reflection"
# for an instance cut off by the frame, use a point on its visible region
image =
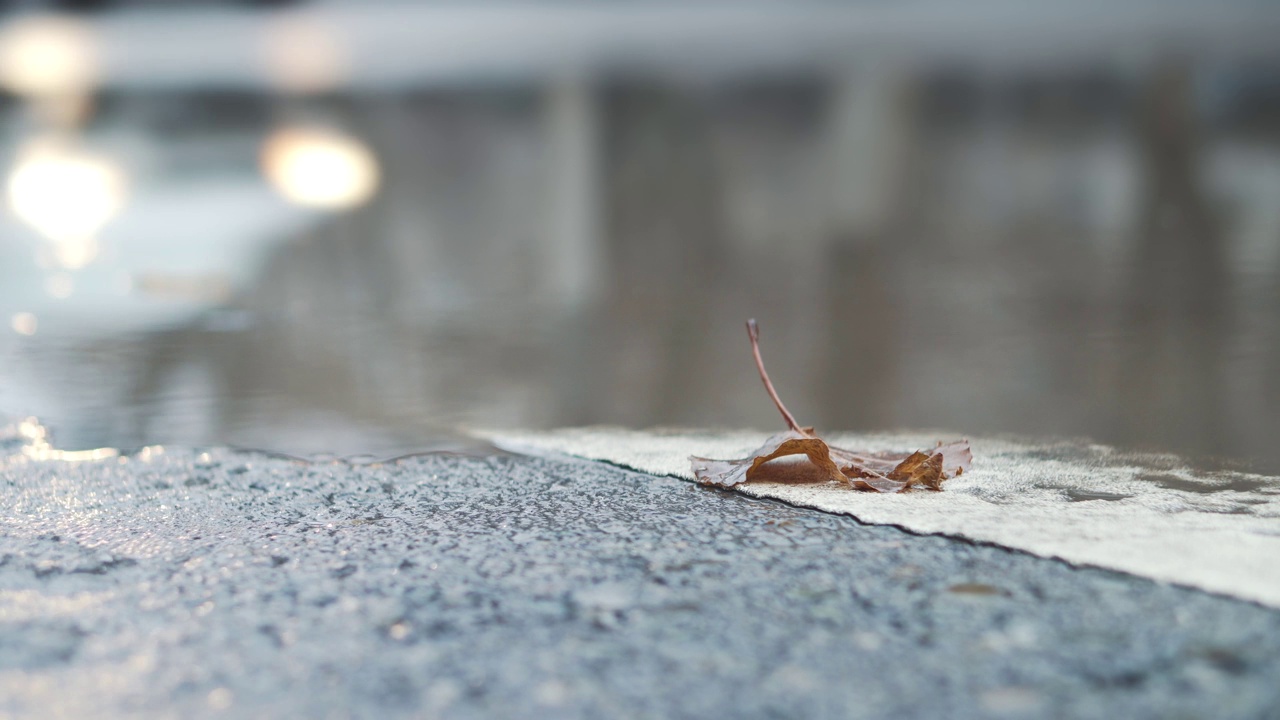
(23, 323)
(320, 168)
(75, 253)
(41, 56)
(207, 288)
(70, 455)
(66, 195)
(39, 446)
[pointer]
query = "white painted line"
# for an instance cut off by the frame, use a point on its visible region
(1086, 504)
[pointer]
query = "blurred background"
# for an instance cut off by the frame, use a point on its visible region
(351, 227)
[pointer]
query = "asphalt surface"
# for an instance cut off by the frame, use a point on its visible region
(187, 584)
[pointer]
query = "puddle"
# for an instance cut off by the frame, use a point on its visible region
(1079, 495)
(33, 438)
(1075, 494)
(1224, 483)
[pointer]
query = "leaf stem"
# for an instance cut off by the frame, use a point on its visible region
(753, 332)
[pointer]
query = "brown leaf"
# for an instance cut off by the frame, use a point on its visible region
(895, 472)
(727, 473)
(875, 472)
(920, 469)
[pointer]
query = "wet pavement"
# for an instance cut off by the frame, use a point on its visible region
(189, 584)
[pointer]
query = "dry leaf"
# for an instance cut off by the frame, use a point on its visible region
(876, 472)
(728, 473)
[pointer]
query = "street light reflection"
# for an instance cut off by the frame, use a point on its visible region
(67, 195)
(320, 168)
(40, 447)
(23, 323)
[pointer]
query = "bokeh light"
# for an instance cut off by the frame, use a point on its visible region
(67, 195)
(303, 54)
(47, 55)
(320, 168)
(23, 323)
(75, 253)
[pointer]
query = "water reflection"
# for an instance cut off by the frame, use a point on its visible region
(319, 168)
(67, 195)
(1088, 249)
(24, 323)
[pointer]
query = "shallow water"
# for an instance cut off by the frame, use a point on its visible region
(1027, 281)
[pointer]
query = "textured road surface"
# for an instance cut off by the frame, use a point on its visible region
(185, 584)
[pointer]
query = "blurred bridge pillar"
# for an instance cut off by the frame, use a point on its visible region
(870, 138)
(1177, 302)
(573, 256)
(868, 132)
(572, 225)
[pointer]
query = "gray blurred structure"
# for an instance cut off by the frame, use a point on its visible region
(396, 44)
